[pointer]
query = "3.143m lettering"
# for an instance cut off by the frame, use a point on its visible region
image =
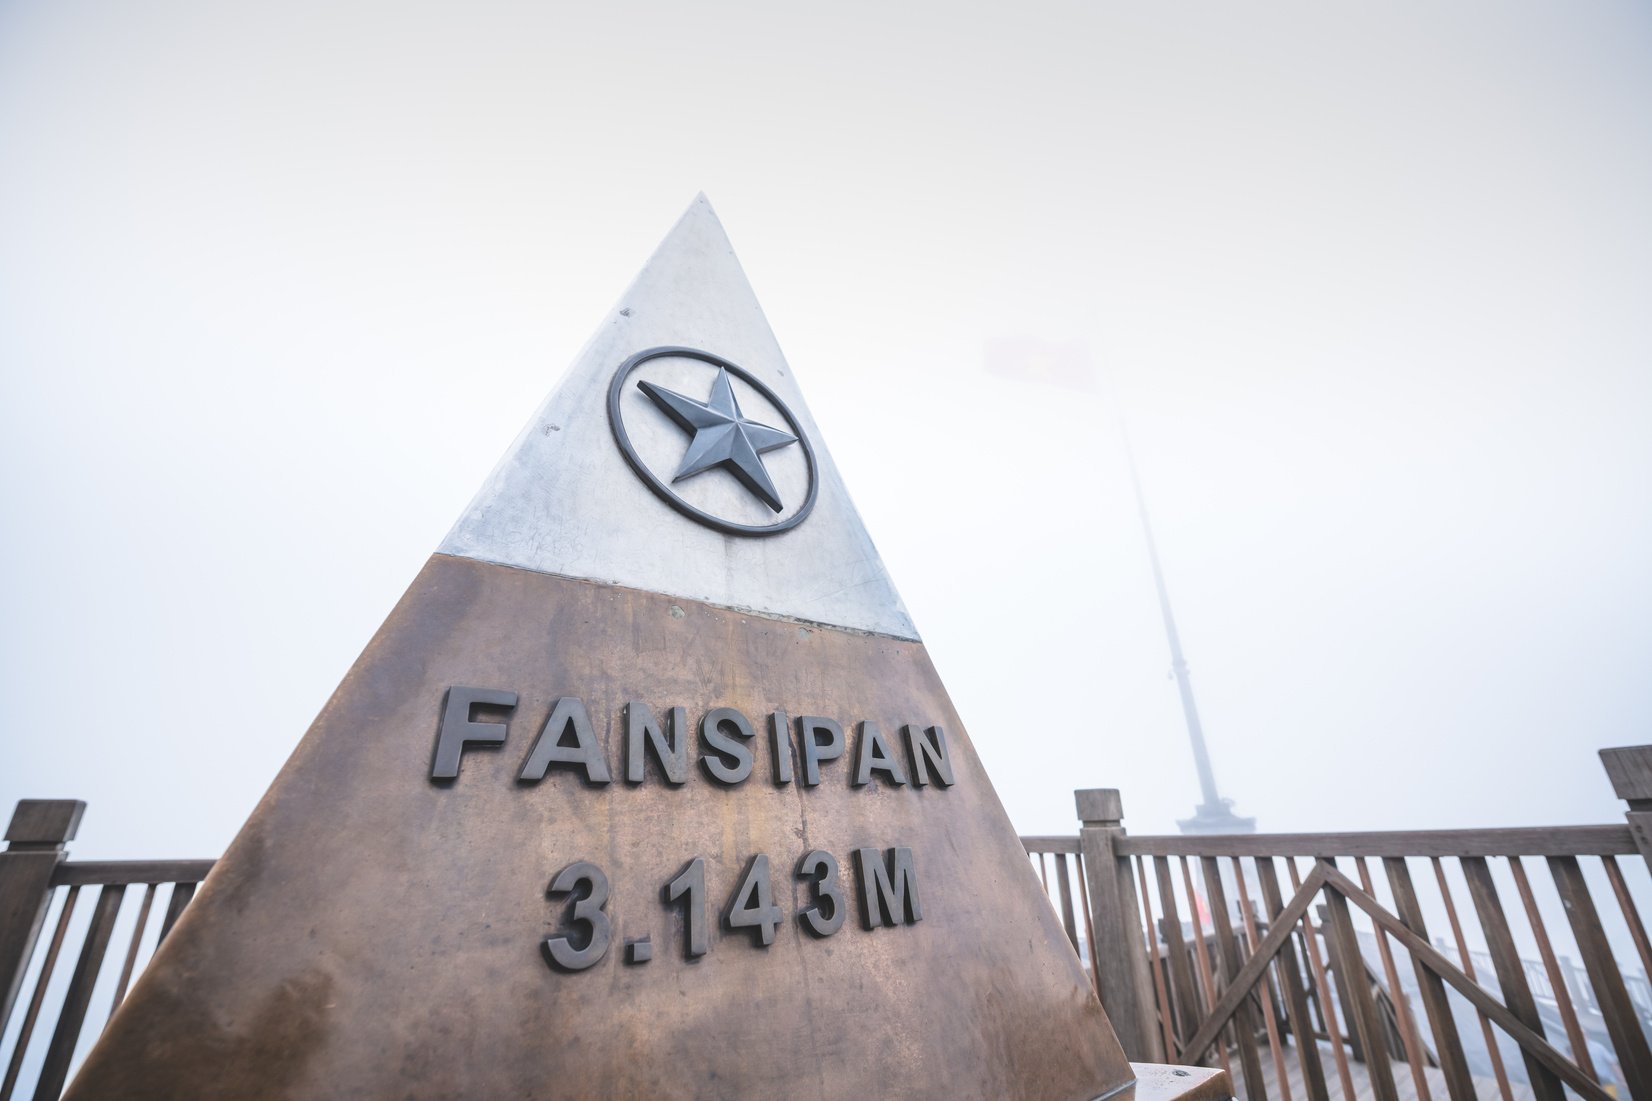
(886, 883)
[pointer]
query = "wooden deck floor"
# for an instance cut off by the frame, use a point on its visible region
(1405, 1084)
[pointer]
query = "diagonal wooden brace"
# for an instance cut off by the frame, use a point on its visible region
(1255, 967)
(1431, 958)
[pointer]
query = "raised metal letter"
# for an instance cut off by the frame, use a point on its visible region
(670, 744)
(812, 749)
(567, 716)
(780, 740)
(873, 754)
(457, 729)
(928, 750)
(887, 896)
(717, 747)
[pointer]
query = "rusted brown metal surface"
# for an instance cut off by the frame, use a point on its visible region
(372, 933)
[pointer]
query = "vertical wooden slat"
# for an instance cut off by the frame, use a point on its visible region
(1327, 1004)
(1344, 998)
(1299, 1019)
(1181, 979)
(1244, 1023)
(1562, 994)
(1511, 971)
(1042, 878)
(1172, 1047)
(132, 948)
(1312, 992)
(1090, 928)
(1351, 979)
(1448, 1045)
(1200, 950)
(1275, 1044)
(181, 894)
(1069, 920)
(47, 966)
(1492, 1052)
(55, 1070)
(1631, 915)
(1201, 959)
(1622, 1023)
(1409, 1038)
(1341, 990)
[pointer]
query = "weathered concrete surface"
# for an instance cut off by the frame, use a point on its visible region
(372, 934)
(1165, 1082)
(563, 500)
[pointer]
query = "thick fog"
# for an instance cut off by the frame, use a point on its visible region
(1369, 289)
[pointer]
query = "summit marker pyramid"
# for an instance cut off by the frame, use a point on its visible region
(646, 788)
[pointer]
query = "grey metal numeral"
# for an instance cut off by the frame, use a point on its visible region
(691, 882)
(587, 910)
(821, 869)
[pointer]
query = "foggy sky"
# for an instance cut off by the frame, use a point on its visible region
(279, 283)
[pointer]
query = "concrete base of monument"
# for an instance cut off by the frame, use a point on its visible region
(1163, 1082)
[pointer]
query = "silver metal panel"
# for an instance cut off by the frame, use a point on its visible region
(564, 501)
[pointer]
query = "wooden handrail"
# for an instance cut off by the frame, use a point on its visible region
(1051, 844)
(1606, 840)
(81, 873)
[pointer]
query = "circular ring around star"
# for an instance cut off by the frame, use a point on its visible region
(717, 435)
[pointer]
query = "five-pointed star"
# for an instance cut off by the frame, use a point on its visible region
(721, 436)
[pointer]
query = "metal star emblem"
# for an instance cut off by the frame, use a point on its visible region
(721, 436)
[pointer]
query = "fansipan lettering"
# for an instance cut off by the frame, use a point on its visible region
(654, 746)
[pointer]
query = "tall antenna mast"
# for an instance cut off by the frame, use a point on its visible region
(1214, 814)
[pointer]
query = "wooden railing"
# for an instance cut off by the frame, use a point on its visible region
(1197, 949)
(39, 889)
(1306, 969)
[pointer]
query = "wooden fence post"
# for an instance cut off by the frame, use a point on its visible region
(1630, 770)
(1126, 985)
(39, 828)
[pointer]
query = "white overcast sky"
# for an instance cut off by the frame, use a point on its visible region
(1369, 284)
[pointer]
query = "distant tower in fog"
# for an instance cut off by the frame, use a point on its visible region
(1214, 814)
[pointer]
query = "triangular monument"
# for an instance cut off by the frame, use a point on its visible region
(646, 789)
